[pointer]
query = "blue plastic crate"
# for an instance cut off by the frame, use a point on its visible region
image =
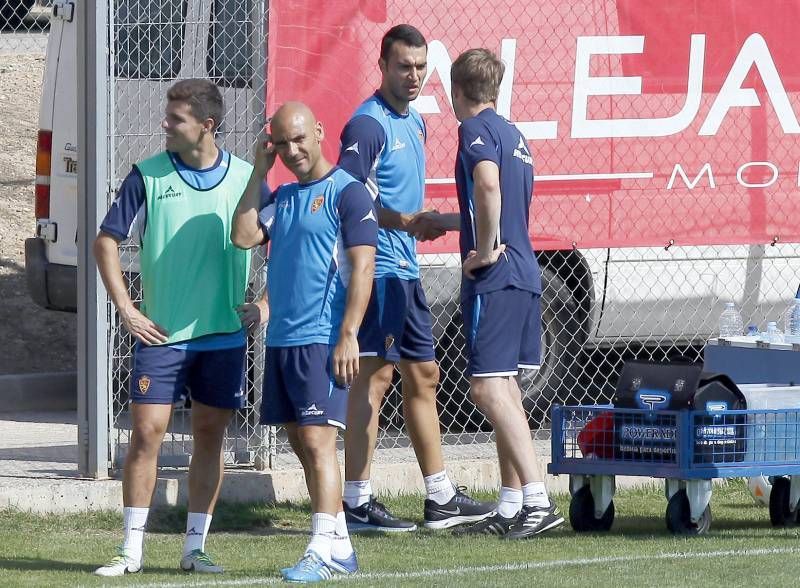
(675, 444)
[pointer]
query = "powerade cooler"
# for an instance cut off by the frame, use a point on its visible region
(676, 386)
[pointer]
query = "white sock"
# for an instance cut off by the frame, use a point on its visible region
(341, 548)
(510, 502)
(535, 494)
(323, 528)
(439, 488)
(357, 492)
(197, 524)
(135, 520)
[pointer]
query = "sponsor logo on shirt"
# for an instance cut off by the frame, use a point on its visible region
(521, 152)
(170, 192)
(353, 147)
(369, 216)
(478, 141)
(398, 144)
(421, 136)
(317, 203)
(312, 410)
(144, 384)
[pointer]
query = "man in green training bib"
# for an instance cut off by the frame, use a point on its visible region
(190, 328)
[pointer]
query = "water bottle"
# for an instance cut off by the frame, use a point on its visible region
(792, 320)
(730, 322)
(773, 334)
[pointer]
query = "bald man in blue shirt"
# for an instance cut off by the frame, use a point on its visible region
(322, 230)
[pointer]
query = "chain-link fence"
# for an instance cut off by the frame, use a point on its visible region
(24, 25)
(156, 43)
(631, 267)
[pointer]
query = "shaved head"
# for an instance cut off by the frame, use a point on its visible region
(297, 136)
(289, 112)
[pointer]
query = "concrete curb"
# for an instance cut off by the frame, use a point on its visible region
(42, 496)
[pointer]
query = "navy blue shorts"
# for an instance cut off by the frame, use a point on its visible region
(397, 323)
(299, 387)
(164, 375)
(503, 332)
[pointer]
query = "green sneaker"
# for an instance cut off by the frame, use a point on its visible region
(199, 561)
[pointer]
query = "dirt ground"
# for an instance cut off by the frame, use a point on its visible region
(32, 340)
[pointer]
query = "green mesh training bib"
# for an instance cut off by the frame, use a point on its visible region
(193, 277)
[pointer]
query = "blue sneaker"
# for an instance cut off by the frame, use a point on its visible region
(308, 570)
(345, 566)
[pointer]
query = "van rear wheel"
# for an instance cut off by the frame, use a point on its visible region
(558, 375)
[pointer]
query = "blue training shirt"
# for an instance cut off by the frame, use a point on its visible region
(385, 150)
(127, 218)
(310, 226)
(490, 137)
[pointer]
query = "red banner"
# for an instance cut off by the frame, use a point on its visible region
(650, 122)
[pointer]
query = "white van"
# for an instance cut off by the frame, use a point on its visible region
(203, 38)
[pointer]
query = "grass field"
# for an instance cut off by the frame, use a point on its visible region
(253, 542)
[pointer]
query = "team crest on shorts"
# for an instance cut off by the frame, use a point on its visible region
(388, 342)
(144, 384)
(317, 203)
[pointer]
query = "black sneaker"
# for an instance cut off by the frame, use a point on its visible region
(374, 516)
(459, 510)
(494, 525)
(533, 520)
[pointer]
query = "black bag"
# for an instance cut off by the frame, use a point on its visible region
(677, 385)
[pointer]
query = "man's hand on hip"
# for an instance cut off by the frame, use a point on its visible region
(142, 327)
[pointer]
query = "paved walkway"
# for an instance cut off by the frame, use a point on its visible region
(38, 445)
(39, 466)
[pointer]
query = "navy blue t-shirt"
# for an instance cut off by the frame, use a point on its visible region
(490, 137)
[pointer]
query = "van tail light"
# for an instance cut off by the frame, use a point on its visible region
(44, 148)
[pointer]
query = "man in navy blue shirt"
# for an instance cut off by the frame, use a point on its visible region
(383, 146)
(322, 231)
(501, 287)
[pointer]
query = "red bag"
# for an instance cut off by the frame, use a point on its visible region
(596, 439)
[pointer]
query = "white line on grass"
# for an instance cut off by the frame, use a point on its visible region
(511, 567)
